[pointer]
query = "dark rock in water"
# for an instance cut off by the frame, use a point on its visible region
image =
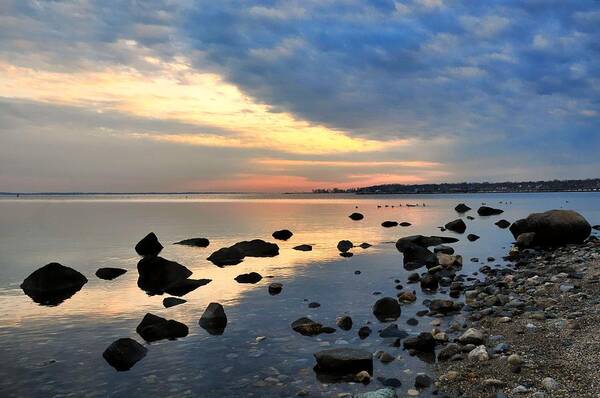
(389, 224)
(257, 248)
(154, 328)
(472, 237)
(596, 227)
(52, 284)
(252, 277)
(344, 322)
(462, 208)
(344, 360)
(314, 304)
(412, 322)
(386, 309)
(172, 301)
(443, 249)
(346, 254)
(303, 248)
(275, 288)
(364, 332)
(430, 282)
(422, 381)
(148, 246)
(183, 287)
(214, 320)
(307, 327)
(393, 331)
(414, 277)
(390, 382)
(405, 224)
(365, 245)
(416, 254)
(457, 225)
(489, 211)
(449, 351)
(156, 274)
(424, 241)
(526, 240)
(122, 354)
(110, 273)
(554, 227)
(470, 218)
(283, 234)
(344, 245)
(196, 242)
(356, 216)
(502, 224)
(443, 307)
(226, 256)
(423, 342)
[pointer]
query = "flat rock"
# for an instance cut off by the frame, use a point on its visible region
(303, 248)
(184, 286)
(389, 224)
(172, 301)
(109, 273)
(196, 242)
(489, 211)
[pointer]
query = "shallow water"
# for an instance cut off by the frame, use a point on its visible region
(57, 351)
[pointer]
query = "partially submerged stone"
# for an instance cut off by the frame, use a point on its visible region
(213, 319)
(154, 328)
(109, 273)
(195, 242)
(149, 245)
(122, 354)
(52, 284)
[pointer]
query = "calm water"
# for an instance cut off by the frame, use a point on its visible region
(57, 351)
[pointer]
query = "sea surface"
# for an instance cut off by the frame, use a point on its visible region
(57, 351)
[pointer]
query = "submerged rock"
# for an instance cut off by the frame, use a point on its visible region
(554, 227)
(344, 322)
(283, 234)
(489, 211)
(356, 216)
(148, 246)
(154, 328)
(196, 242)
(386, 309)
(344, 360)
(462, 208)
(502, 224)
(307, 327)
(109, 273)
(275, 288)
(156, 274)
(303, 248)
(122, 354)
(457, 225)
(213, 319)
(252, 277)
(52, 284)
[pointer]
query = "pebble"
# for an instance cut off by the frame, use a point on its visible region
(549, 384)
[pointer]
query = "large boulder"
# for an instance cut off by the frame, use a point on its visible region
(213, 319)
(235, 254)
(196, 242)
(386, 309)
(344, 360)
(457, 225)
(149, 245)
(553, 227)
(226, 256)
(283, 234)
(109, 273)
(157, 274)
(122, 354)
(488, 211)
(154, 328)
(52, 284)
(462, 208)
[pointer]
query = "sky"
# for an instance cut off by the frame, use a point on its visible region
(274, 96)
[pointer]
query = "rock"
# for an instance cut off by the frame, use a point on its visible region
(156, 274)
(283, 234)
(122, 354)
(275, 288)
(196, 242)
(183, 287)
(502, 224)
(423, 342)
(457, 225)
(314, 304)
(472, 237)
(389, 224)
(356, 216)
(344, 322)
(416, 254)
(364, 332)
(429, 282)
(384, 357)
(405, 224)
(472, 336)
(386, 309)
(549, 384)
(303, 248)
(462, 208)
(148, 246)
(252, 277)
(346, 254)
(344, 245)
(226, 256)
(213, 319)
(479, 354)
(344, 360)
(392, 331)
(449, 351)
(407, 297)
(449, 260)
(382, 393)
(390, 382)
(414, 277)
(423, 381)
(489, 211)
(443, 249)
(526, 240)
(363, 377)
(307, 327)
(154, 328)
(553, 228)
(515, 360)
(596, 227)
(172, 301)
(110, 273)
(364, 245)
(444, 307)
(52, 284)
(257, 248)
